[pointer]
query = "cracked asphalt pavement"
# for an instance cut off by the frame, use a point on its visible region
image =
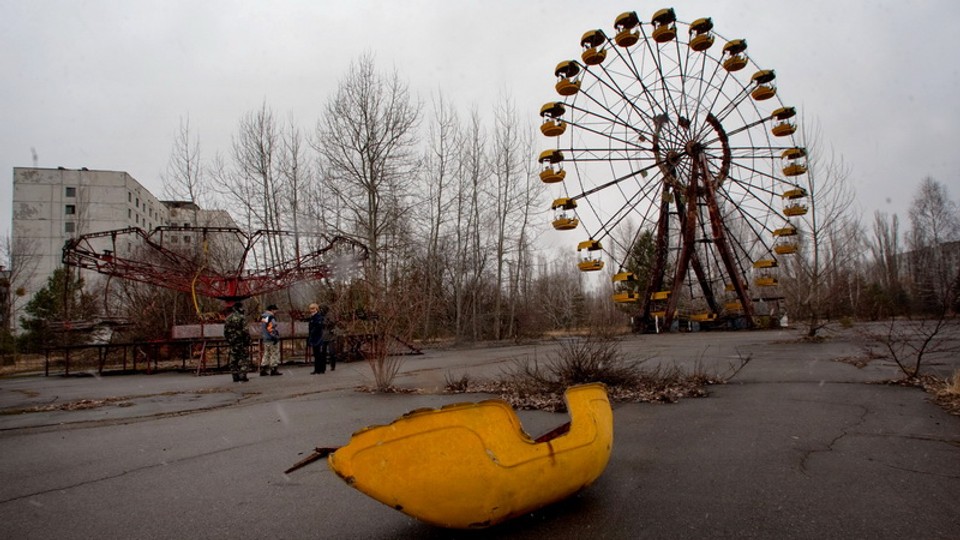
(796, 445)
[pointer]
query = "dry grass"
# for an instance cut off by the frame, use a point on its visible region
(946, 393)
(531, 384)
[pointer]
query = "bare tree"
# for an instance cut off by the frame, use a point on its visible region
(294, 169)
(474, 252)
(885, 251)
(560, 291)
(934, 268)
(184, 179)
(935, 224)
(255, 148)
(255, 182)
(441, 169)
(530, 209)
(366, 140)
(829, 248)
(507, 169)
(18, 262)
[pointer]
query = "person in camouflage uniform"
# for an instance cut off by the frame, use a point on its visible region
(238, 338)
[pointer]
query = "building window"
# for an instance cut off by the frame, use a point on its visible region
(137, 204)
(129, 197)
(69, 226)
(70, 209)
(70, 192)
(129, 213)
(186, 239)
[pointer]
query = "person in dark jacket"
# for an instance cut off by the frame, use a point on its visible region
(319, 339)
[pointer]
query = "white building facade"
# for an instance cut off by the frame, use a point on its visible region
(51, 206)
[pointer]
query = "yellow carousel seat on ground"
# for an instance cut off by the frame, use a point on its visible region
(471, 465)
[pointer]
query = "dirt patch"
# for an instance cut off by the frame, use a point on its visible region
(859, 361)
(389, 390)
(86, 404)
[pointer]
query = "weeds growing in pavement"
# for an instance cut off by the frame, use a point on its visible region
(534, 384)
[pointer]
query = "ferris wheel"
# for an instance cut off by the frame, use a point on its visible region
(679, 166)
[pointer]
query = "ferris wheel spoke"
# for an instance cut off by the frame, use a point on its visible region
(754, 171)
(638, 172)
(609, 226)
(757, 227)
(611, 118)
(637, 75)
(768, 153)
(742, 207)
(734, 104)
(710, 83)
(743, 128)
(606, 135)
(644, 194)
(610, 83)
(655, 56)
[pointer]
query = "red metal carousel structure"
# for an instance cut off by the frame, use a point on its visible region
(215, 262)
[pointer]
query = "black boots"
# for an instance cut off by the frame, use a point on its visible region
(240, 377)
(274, 372)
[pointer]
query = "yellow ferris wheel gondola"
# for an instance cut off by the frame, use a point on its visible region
(564, 219)
(591, 256)
(626, 283)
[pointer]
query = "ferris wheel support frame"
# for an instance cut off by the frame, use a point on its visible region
(723, 248)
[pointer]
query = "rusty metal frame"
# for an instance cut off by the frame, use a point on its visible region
(170, 269)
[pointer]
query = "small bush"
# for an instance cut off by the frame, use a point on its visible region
(532, 384)
(592, 359)
(456, 385)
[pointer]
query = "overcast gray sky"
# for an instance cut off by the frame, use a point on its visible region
(103, 84)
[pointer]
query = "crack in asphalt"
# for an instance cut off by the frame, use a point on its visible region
(245, 399)
(844, 431)
(124, 473)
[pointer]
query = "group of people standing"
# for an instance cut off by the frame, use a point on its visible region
(319, 340)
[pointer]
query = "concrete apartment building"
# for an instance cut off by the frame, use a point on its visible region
(52, 205)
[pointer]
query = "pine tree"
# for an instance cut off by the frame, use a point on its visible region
(61, 300)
